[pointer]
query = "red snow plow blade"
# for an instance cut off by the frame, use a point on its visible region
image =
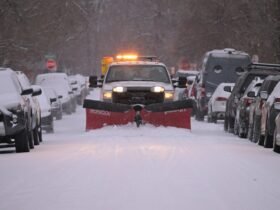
(174, 114)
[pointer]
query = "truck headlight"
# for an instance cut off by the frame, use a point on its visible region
(107, 95)
(168, 95)
(119, 89)
(157, 89)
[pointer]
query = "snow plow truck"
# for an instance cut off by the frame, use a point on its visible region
(136, 89)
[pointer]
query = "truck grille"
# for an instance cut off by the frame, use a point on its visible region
(138, 96)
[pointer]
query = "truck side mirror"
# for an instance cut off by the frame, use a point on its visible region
(93, 82)
(182, 81)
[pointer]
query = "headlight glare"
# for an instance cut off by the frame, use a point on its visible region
(157, 89)
(168, 95)
(107, 95)
(119, 89)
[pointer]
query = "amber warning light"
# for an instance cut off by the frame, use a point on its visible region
(126, 57)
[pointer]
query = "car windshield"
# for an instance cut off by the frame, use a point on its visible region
(7, 85)
(137, 73)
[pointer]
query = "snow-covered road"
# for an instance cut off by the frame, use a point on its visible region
(125, 168)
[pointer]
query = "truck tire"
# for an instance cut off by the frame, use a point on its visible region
(22, 142)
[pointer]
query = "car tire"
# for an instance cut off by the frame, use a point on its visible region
(22, 142)
(226, 124)
(231, 124)
(31, 139)
(199, 115)
(256, 131)
(268, 140)
(276, 148)
(36, 136)
(261, 140)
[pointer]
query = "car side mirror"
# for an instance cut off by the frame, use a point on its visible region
(227, 89)
(264, 95)
(36, 91)
(53, 100)
(190, 82)
(27, 92)
(93, 81)
(251, 94)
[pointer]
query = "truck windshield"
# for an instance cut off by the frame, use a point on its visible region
(137, 73)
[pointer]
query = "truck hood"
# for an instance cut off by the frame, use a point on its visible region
(150, 84)
(9, 100)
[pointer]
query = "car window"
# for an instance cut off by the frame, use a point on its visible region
(8, 85)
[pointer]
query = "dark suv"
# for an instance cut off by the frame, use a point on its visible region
(254, 71)
(218, 66)
(15, 112)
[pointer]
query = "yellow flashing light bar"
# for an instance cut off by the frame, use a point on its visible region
(127, 57)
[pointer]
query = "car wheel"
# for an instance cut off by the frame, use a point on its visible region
(22, 142)
(236, 128)
(231, 121)
(268, 140)
(261, 140)
(31, 139)
(226, 124)
(276, 148)
(36, 136)
(199, 115)
(256, 131)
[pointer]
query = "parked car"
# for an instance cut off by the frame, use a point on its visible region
(218, 66)
(46, 115)
(36, 132)
(217, 102)
(56, 105)
(276, 136)
(270, 110)
(83, 89)
(15, 112)
(60, 83)
(253, 71)
(254, 132)
(243, 108)
(190, 77)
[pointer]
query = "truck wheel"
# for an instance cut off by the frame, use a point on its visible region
(22, 142)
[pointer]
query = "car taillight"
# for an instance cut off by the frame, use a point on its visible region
(203, 91)
(221, 99)
(277, 100)
(192, 92)
(248, 101)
